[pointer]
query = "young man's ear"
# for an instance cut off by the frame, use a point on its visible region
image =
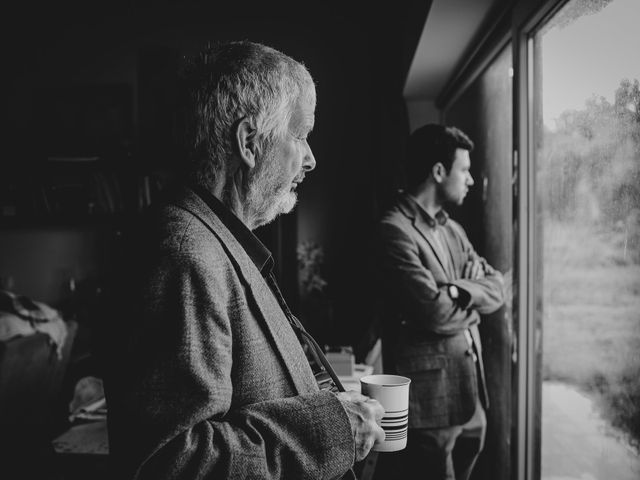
(246, 143)
(439, 172)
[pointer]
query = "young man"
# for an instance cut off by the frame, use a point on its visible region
(208, 375)
(436, 287)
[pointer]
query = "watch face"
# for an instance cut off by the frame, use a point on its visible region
(453, 291)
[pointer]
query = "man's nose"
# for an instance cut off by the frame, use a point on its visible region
(470, 180)
(309, 162)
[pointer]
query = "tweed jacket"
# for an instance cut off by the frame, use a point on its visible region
(424, 328)
(208, 379)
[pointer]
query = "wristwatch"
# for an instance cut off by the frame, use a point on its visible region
(453, 292)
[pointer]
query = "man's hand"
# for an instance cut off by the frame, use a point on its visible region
(364, 415)
(473, 270)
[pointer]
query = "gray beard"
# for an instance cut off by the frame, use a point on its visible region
(266, 199)
(265, 208)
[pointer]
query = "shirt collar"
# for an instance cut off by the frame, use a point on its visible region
(441, 215)
(257, 251)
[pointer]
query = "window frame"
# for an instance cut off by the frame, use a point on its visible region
(528, 261)
(517, 24)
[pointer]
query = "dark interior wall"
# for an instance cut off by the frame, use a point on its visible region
(44, 263)
(366, 178)
(357, 55)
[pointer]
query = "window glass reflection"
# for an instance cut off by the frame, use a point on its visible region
(588, 230)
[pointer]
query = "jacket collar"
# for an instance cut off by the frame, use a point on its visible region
(412, 209)
(273, 317)
(256, 250)
(425, 225)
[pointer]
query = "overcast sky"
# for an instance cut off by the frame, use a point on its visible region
(590, 56)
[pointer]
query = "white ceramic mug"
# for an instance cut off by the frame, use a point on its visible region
(392, 391)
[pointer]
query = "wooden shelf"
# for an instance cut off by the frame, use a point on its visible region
(76, 192)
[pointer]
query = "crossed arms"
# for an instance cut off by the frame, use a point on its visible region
(420, 286)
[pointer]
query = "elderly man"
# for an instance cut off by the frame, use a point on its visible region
(213, 376)
(436, 286)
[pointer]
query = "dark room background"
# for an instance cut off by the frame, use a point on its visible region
(87, 105)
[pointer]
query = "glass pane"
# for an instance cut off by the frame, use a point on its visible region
(587, 128)
(484, 112)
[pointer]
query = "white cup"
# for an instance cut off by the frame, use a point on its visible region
(392, 391)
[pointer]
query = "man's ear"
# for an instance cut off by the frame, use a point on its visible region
(439, 172)
(246, 142)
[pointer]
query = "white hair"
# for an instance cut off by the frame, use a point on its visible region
(233, 81)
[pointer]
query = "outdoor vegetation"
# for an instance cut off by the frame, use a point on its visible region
(589, 183)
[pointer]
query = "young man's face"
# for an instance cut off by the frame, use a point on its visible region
(285, 164)
(456, 183)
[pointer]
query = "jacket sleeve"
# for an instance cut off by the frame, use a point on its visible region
(424, 304)
(486, 294)
(176, 417)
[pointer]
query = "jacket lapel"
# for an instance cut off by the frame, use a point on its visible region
(410, 210)
(273, 317)
(455, 250)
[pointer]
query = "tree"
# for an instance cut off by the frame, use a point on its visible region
(590, 165)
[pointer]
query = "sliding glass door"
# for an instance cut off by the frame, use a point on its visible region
(586, 238)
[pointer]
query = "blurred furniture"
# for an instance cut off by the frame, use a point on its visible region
(31, 376)
(82, 452)
(341, 359)
(352, 382)
(372, 364)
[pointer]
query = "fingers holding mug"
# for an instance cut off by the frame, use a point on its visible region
(365, 415)
(392, 393)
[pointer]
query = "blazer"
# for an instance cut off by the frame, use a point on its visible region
(207, 379)
(424, 328)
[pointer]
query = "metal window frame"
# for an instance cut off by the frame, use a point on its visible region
(527, 17)
(527, 261)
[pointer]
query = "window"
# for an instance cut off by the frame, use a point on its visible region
(586, 240)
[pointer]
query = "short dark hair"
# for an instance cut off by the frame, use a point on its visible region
(431, 144)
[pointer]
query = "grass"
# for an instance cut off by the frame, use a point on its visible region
(591, 329)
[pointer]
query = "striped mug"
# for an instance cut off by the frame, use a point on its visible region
(392, 391)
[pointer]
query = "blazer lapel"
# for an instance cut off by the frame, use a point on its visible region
(454, 249)
(419, 223)
(274, 318)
